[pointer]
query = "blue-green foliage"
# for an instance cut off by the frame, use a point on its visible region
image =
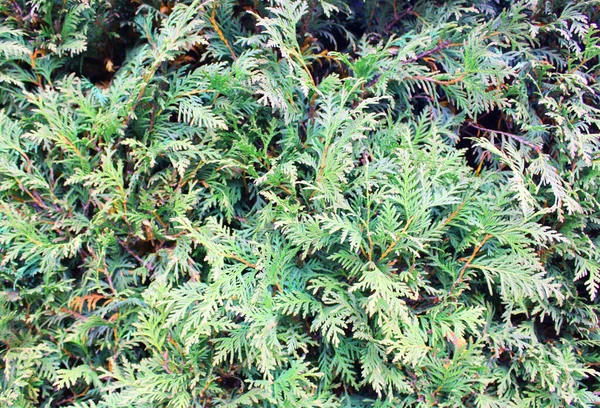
(299, 204)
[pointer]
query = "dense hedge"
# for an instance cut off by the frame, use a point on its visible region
(286, 203)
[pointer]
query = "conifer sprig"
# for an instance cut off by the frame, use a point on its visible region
(299, 204)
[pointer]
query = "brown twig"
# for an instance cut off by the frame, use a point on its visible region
(473, 255)
(140, 260)
(213, 21)
(439, 47)
(512, 136)
(242, 260)
(454, 214)
(398, 17)
(439, 82)
(393, 244)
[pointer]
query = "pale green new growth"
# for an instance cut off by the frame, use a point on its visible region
(300, 204)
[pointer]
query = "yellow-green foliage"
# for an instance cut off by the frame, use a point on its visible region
(293, 203)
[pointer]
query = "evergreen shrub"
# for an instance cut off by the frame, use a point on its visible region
(299, 203)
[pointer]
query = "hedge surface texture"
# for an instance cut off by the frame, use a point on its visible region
(299, 203)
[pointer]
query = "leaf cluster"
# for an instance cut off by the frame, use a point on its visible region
(298, 203)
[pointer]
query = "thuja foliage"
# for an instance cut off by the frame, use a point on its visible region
(299, 203)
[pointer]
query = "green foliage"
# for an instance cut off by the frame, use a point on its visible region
(299, 203)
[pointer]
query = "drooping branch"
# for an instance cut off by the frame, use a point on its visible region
(510, 135)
